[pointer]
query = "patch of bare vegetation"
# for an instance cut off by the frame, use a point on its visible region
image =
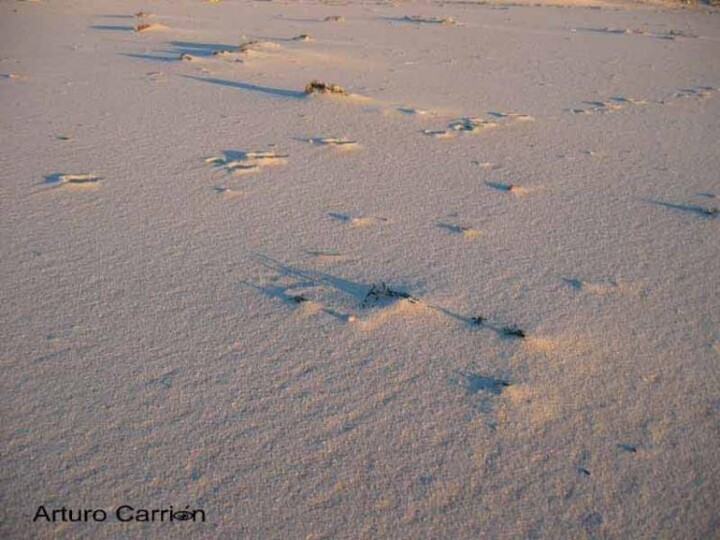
(144, 27)
(446, 21)
(320, 87)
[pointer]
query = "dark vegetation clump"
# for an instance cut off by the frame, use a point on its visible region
(513, 331)
(378, 292)
(714, 3)
(320, 87)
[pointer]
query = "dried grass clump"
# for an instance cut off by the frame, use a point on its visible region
(265, 155)
(447, 21)
(74, 179)
(381, 291)
(147, 26)
(324, 88)
(248, 45)
(256, 45)
(472, 125)
(513, 331)
(334, 141)
(694, 3)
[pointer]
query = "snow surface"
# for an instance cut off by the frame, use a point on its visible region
(187, 323)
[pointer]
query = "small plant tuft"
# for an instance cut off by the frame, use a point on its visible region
(378, 292)
(430, 20)
(247, 45)
(513, 331)
(324, 88)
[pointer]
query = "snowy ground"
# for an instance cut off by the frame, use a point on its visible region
(191, 325)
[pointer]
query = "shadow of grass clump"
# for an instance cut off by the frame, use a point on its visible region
(703, 211)
(268, 90)
(474, 383)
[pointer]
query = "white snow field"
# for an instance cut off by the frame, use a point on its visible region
(469, 292)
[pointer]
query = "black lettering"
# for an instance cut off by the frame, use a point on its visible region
(78, 517)
(41, 513)
(119, 513)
